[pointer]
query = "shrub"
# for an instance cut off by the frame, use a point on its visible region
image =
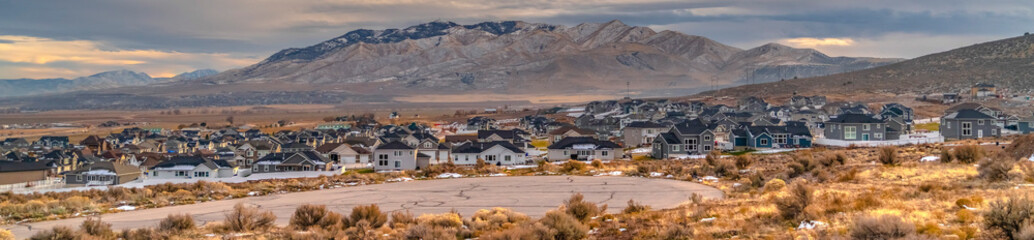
(775, 185)
(177, 223)
(725, 168)
(1027, 167)
(56, 233)
(676, 232)
(580, 209)
(371, 213)
(1026, 232)
(496, 219)
(1009, 216)
(995, 168)
(797, 198)
(524, 232)
(889, 156)
(744, 161)
(597, 164)
(430, 232)
(946, 156)
(6, 235)
(634, 207)
(308, 216)
(968, 154)
(882, 227)
(95, 227)
(402, 219)
(564, 226)
(573, 166)
(141, 234)
(246, 219)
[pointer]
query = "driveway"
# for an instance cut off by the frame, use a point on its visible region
(532, 195)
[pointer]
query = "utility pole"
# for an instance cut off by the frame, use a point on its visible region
(628, 89)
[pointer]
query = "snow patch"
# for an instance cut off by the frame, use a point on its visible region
(449, 175)
(930, 159)
(808, 224)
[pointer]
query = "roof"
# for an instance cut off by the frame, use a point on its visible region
(360, 150)
(292, 158)
(985, 85)
(118, 168)
(192, 161)
(8, 166)
(692, 127)
(326, 148)
(644, 124)
(968, 114)
(854, 118)
(297, 145)
(478, 147)
(568, 142)
(669, 138)
(505, 134)
(394, 145)
(564, 129)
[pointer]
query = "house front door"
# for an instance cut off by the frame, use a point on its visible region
(980, 133)
(865, 137)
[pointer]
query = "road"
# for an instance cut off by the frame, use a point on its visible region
(532, 195)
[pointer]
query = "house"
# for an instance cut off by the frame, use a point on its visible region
(758, 137)
(95, 143)
(53, 141)
(291, 162)
(395, 156)
(569, 131)
(16, 143)
(968, 124)
(346, 156)
(193, 167)
(898, 116)
(499, 153)
(583, 148)
(641, 132)
(859, 127)
(752, 104)
(103, 173)
(19, 174)
(983, 90)
(692, 137)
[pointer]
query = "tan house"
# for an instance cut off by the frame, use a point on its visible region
(22, 173)
(569, 131)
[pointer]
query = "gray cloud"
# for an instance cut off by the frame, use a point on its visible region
(256, 28)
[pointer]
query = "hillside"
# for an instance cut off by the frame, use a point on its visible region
(104, 80)
(519, 57)
(1007, 63)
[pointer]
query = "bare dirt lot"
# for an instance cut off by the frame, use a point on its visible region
(533, 195)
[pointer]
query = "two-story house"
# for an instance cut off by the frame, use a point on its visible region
(692, 137)
(858, 127)
(641, 132)
(969, 124)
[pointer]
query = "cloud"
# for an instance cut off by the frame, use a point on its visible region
(35, 57)
(254, 29)
(817, 42)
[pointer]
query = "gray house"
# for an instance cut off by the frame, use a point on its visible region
(692, 137)
(583, 148)
(639, 133)
(394, 156)
(859, 127)
(103, 173)
(969, 124)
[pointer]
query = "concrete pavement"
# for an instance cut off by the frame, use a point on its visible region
(532, 195)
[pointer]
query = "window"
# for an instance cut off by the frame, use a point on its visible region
(850, 132)
(675, 148)
(506, 158)
(707, 148)
(967, 129)
(865, 127)
(980, 122)
(603, 153)
(80, 178)
(707, 137)
(427, 145)
(200, 174)
(490, 157)
(265, 168)
(878, 136)
(181, 173)
(994, 132)
(764, 141)
(398, 164)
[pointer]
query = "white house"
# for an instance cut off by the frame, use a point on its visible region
(583, 148)
(193, 167)
(499, 153)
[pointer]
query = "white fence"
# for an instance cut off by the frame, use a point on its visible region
(922, 138)
(28, 187)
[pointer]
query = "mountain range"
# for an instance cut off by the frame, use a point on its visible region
(519, 57)
(104, 80)
(1006, 63)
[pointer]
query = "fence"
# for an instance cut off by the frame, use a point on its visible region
(27, 187)
(904, 140)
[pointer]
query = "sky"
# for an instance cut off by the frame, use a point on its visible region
(72, 38)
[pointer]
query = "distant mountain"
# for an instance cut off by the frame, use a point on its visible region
(200, 73)
(1007, 63)
(520, 57)
(104, 80)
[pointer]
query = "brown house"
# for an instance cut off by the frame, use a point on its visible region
(22, 172)
(95, 143)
